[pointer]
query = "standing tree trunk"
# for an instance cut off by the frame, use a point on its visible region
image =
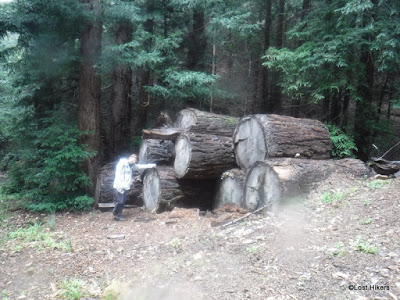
(267, 40)
(365, 110)
(276, 92)
(90, 89)
(121, 96)
(197, 45)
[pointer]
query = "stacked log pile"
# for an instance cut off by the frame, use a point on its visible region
(209, 160)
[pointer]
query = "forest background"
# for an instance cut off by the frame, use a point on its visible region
(79, 80)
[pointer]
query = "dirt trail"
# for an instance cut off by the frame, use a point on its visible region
(342, 242)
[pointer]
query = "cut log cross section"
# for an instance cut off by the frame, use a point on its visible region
(259, 137)
(230, 188)
(202, 156)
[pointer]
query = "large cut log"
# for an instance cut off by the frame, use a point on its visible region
(259, 137)
(205, 122)
(163, 191)
(202, 156)
(105, 192)
(160, 152)
(284, 179)
(230, 188)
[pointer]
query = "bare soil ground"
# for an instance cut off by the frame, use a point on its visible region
(342, 242)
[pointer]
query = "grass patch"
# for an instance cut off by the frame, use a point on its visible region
(339, 249)
(332, 197)
(366, 247)
(253, 249)
(35, 236)
(367, 221)
(73, 289)
(377, 184)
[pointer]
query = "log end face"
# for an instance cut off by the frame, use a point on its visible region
(182, 156)
(230, 191)
(250, 143)
(143, 153)
(151, 190)
(262, 187)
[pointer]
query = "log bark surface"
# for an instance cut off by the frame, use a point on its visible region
(206, 122)
(202, 156)
(160, 152)
(259, 137)
(163, 191)
(162, 133)
(280, 179)
(105, 192)
(230, 188)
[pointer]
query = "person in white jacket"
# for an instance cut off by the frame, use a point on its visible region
(123, 181)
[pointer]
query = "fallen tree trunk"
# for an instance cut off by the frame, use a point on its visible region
(206, 122)
(284, 179)
(160, 152)
(163, 191)
(230, 188)
(162, 134)
(259, 137)
(105, 192)
(202, 156)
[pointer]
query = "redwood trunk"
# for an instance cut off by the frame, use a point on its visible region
(121, 96)
(274, 180)
(105, 193)
(90, 90)
(205, 122)
(202, 156)
(259, 137)
(160, 152)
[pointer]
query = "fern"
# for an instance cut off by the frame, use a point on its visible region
(342, 144)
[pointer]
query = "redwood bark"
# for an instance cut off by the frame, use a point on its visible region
(202, 156)
(90, 89)
(288, 179)
(160, 152)
(163, 191)
(105, 193)
(121, 95)
(206, 123)
(259, 137)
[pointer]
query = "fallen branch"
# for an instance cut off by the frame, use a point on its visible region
(248, 214)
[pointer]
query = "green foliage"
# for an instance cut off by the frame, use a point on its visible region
(342, 144)
(331, 197)
(35, 236)
(365, 247)
(377, 184)
(73, 289)
(46, 170)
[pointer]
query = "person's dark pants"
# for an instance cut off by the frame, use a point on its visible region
(119, 205)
